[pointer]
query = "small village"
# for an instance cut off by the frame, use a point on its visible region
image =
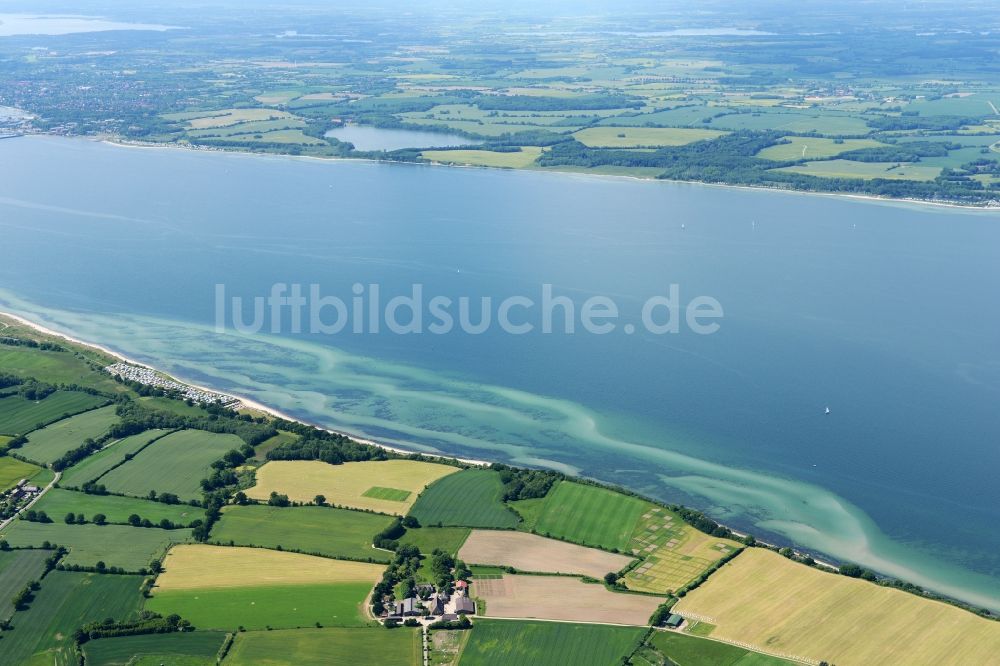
(149, 377)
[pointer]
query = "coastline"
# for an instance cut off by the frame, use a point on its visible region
(870, 198)
(248, 403)
(820, 562)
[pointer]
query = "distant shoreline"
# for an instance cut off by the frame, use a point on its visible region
(871, 198)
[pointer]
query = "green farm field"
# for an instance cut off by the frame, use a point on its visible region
(17, 569)
(54, 367)
(178, 407)
(174, 464)
(43, 634)
(320, 647)
(391, 494)
(93, 466)
(523, 643)
(471, 498)
(261, 450)
(13, 470)
(642, 137)
(263, 606)
(584, 514)
(58, 502)
(310, 529)
(448, 539)
(224, 588)
(829, 125)
(53, 441)
(197, 648)
(809, 147)
(864, 170)
(685, 650)
(130, 548)
(19, 416)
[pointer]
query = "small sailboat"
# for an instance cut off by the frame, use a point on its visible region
(826, 411)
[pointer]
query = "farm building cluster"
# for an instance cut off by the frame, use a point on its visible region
(149, 377)
(18, 496)
(435, 605)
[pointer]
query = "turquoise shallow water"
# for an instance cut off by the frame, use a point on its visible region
(879, 310)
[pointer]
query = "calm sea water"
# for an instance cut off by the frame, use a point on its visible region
(32, 24)
(883, 312)
(378, 138)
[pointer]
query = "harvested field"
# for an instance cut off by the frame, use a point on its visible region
(562, 598)
(190, 567)
(345, 485)
(763, 599)
(530, 552)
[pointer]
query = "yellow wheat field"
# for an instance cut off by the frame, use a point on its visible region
(197, 566)
(779, 606)
(345, 485)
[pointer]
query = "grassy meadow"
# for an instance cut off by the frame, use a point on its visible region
(17, 569)
(809, 147)
(19, 416)
(197, 648)
(693, 651)
(345, 485)
(43, 634)
(263, 606)
(78, 366)
(13, 470)
(93, 466)
(310, 529)
(642, 137)
(173, 464)
(584, 514)
(448, 539)
(865, 170)
(518, 643)
(131, 548)
(58, 502)
(53, 441)
(471, 498)
(224, 588)
(319, 647)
